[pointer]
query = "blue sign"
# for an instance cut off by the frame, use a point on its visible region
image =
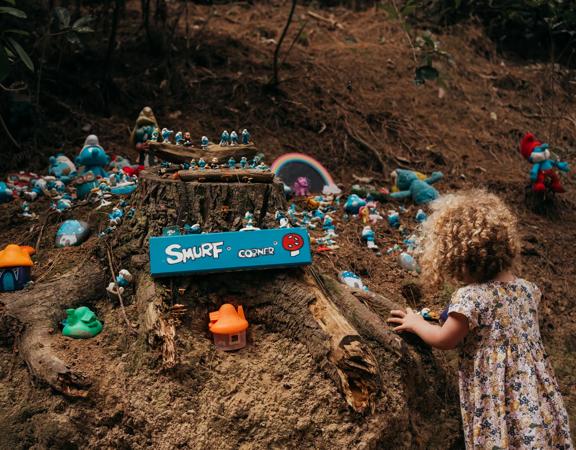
(238, 250)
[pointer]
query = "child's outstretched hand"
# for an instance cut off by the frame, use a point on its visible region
(406, 320)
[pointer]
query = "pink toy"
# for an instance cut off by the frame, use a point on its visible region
(301, 187)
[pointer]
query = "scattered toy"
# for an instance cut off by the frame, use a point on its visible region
(544, 163)
(224, 139)
(81, 323)
(6, 194)
(123, 280)
(408, 262)
(421, 216)
(62, 167)
(394, 219)
(369, 237)
(353, 204)
(351, 280)
(204, 142)
(72, 232)
(228, 325)
(410, 184)
(15, 264)
(292, 166)
(300, 188)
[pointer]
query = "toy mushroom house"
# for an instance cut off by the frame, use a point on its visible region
(15, 263)
(81, 323)
(228, 326)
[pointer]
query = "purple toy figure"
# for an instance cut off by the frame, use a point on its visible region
(301, 187)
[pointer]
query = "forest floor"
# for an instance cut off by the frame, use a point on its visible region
(347, 94)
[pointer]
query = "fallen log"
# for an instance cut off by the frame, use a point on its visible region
(38, 310)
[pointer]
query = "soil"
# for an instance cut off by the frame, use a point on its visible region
(346, 94)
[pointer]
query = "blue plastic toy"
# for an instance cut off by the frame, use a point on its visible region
(6, 194)
(410, 185)
(233, 138)
(166, 133)
(408, 262)
(232, 163)
(224, 138)
(62, 167)
(204, 142)
(352, 280)
(394, 219)
(421, 216)
(243, 162)
(92, 158)
(192, 229)
(202, 164)
(81, 323)
(245, 137)
(369, 237)
(116, 216)
(353, 204)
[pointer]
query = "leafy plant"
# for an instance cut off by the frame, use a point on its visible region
(11, 51)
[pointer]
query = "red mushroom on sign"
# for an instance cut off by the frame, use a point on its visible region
(293, 243)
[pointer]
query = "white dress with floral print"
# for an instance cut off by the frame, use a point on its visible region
(508, 394)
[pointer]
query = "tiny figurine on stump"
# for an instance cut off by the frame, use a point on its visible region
(166, 134)
(544, 164)
(245, 137)
(414, 185)
(187, 139)
(15, 264)
(204, 142)
(243, 162)
(179, 138)
(224, 139)
(146, 129)
(228, 325)
(202, 164)
(231, 163)
(233, 138)
(249, 222)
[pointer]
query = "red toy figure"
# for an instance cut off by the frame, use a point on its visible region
(543, 166)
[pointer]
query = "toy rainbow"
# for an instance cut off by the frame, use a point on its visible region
(290, 166)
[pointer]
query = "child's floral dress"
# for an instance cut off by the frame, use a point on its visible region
(508, 393)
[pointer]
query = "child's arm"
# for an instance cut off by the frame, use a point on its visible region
(444, 337)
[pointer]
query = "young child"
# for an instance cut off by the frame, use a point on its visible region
(508, 394)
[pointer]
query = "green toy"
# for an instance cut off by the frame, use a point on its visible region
(81, 323)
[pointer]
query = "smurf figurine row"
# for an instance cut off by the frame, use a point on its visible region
(201, 164)
(232, 138)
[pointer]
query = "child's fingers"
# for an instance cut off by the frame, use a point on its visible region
(409, 311)
(397, 313)
(399, 320)
(400, 329)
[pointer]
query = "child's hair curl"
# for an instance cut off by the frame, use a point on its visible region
(470, 237)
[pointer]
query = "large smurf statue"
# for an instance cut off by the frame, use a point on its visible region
(414, 185)
(92, 158)
(543, 165)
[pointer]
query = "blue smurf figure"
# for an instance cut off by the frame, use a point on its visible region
(232, 163)
(179, 138)
(6, 194)
(192, 229)
(130, 213)
(394, 219)
(329, 227)
(62, 205)
(224, 138)
(193, 164)
(93, 158)
(166, 133)
(255, 162)
(202, 164)
(155, 135)
(116, 216)
(353, 204)
(233, 138)
(243, 162)
(421, 216)
(204, 142)
(26, 210)
(245, 137)
(369, 237)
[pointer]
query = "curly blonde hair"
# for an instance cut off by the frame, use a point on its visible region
(470, 237)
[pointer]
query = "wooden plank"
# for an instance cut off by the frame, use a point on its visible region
(227, 175)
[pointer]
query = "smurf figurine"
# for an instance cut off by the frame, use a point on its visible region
(116, 216)
(123, 280)
(232, 163)
(93, 158)
(146, 126)
(421, 216)
(187, 139)
(155, 135)
(351, 280)
(329, 227)
(62, 167)
(243, 162)
(6, 194)
(233, 138)
(224, 139)
(166, 133)
(62, 205)
(192, 229)
(26, 210)
(202, 164)
(193, 164)
(394, 219)
(410, 184)
(204, 142)
(245, 137)
(543, 164)
(249, 222)
(353, 204)
(179, 138)
(369, 236)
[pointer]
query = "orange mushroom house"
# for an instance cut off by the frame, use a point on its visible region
(15, 264)
(228, 326)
